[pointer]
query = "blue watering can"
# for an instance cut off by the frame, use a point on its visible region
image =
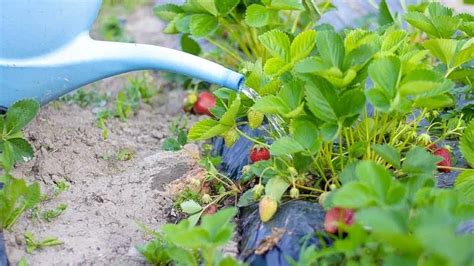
(46, 52)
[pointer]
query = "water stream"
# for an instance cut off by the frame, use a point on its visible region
(275, 121)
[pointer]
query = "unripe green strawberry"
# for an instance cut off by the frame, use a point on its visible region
(206, 198)
(189, 101)
(267, 208)
(294, 193)
(292, 171)
(323, 197)
(255, 118)
(231, 137)
(257, 191)
(332, 187)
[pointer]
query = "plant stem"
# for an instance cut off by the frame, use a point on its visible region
(251, 139)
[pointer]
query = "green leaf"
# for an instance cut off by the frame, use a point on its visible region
(274, 65)
(331, 48)
(257, 16)
(206, 129)
(420, 81)
(167, 12)
(420, 161)
(271, 104)
(306, 133)
(209, 6)
(464, 185)
(287, 5)
(385, 17)
(443, 49)
(218, 225)
(466, 54)
(435, 102)
(388, 153)
(21, 149)
(202, 25)
(311, 64)
(7, 156)
(171, 144)
(33, 196)
(466, 144)
(421, 22)
(385, 73)
(329, 131)
(189, 45)
(379, 99)
(351, 103)
(393, 40)
(293, 93)
(374, 176)
(246, 199)
(229, 117)
(276, 187)
(446, 26)
(226, 6)
(381, 221)
(20, 114)
(277, 43)
(190, 207)
(302, 45)
(182, 24)
(353, 195)
(321, 99)
(285, 145)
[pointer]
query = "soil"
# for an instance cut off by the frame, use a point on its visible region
(108, 198)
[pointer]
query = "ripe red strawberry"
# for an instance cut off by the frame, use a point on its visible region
(205, 102)
(210, 210)
(259, 154)
(444, 153)
(335, 216)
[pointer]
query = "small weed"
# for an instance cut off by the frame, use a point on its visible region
(125, 154)
(111, 29)
(33, 244)
(50, 215)
(186, 195)
(60, 187)
(23, 262)
(85, 98)
(128, 99)
(179, 135)
(102, 117)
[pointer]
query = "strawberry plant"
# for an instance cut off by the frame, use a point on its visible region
(186, 244)
(233, 25)
(401, 217)
(350, 118)
(319, 83)
(16, 196)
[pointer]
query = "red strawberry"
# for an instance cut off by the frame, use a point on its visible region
(335, 216)
(259, 154)
(205, 102)
(443, 153)
(432, 147)
(210, 210)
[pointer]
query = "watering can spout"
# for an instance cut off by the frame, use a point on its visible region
(118, 58)
(84, 60)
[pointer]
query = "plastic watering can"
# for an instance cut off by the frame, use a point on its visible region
(46, 51)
